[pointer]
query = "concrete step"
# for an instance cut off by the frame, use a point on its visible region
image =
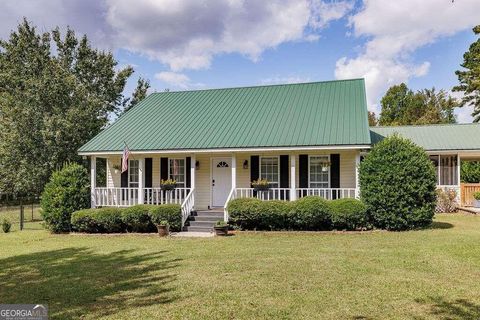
(205, 218)
(197, 229)
(209, 213)
(206, 224)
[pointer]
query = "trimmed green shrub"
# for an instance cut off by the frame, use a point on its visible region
(398, 184)
(167, 212)
(100, 220)
(67, 191)
(137, 219)
(252, 213)
(348, 214)
(245, 213)
(311, 213)
(6, 225)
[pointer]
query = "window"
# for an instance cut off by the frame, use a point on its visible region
(222, 164)
(270, 170)
(446, 169)
(319, 172)
(176, 171)
(133, 173)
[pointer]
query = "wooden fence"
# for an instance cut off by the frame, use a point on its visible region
(467, 191)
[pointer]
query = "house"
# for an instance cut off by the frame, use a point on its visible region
(305, 139)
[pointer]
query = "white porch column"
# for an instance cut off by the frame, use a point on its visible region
(141, 180)
(234, 171)
(357, 175)
(192, 171)
(459, 195)
(93, 180)
(293, 181)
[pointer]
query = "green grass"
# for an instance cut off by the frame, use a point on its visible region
(429, 274)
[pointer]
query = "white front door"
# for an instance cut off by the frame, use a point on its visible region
(221, 180)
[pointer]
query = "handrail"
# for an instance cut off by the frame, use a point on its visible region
(225, 210)
(187, 206)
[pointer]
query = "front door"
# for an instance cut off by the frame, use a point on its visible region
(221, 180)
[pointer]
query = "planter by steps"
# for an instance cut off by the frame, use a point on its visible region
(476, 203)
(163, 229)
(476, 199)
(221, 228)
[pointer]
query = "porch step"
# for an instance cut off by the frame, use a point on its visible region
(198, 229)
(203, 221)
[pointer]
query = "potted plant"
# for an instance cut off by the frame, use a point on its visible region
(476, 201)
(325, 165)
(116, 168)
(168, 184)
(163, 228)
(221, 228)
(260, 185)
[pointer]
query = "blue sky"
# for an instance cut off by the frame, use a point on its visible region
(197, 44)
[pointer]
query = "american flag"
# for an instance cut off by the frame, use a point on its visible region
(125, 155)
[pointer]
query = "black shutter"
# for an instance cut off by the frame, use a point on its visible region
(303, 171)
(284, 181)
(164, 168)
(335, 173)
(188, 178)
(254, 168)
(124, 179)
(148, 172)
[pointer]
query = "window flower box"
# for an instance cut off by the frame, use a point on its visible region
(261, 185)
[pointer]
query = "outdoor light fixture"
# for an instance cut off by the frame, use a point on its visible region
(197, 164)
(245, 164)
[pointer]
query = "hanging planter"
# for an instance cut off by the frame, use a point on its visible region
(325, 165)
(116, 168)
(168, 185)
(261, 185)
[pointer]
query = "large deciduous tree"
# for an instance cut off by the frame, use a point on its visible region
(56, 93)
(138, 95)
(402, 106)
(469, 77)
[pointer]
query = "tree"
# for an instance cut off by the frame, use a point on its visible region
(138, 95)
(52, 100)
(469, 78)
(402, 106)
(372, 119)
(398, 185)
(470, 171)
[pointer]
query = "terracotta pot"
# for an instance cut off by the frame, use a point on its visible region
(221, 231)
(163, 231)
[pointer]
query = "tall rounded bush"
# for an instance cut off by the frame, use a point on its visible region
(67, 191)
(398, 183)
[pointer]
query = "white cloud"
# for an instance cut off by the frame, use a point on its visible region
(324, 12)
(281, 80)
(177, 80)
(394, 30)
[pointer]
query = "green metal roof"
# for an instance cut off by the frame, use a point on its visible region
(306, 114)
(435, 137)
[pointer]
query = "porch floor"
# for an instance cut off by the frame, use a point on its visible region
(470, 210)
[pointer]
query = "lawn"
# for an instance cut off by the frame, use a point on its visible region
(429, 274)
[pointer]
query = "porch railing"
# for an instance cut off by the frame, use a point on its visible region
(124, 197)
(284, 194)
(327, 193)
(187, 206)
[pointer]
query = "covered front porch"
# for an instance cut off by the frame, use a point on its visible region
(208, 180)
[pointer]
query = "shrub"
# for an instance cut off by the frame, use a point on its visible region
(245, 213)
(476, 196)
(398, 184)
(6, 225)
(137, 219)
(100, 220)
(349, 214)
(311, 213)
(252, 213)
(67, 191)
(446, 201)
(167, 212)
